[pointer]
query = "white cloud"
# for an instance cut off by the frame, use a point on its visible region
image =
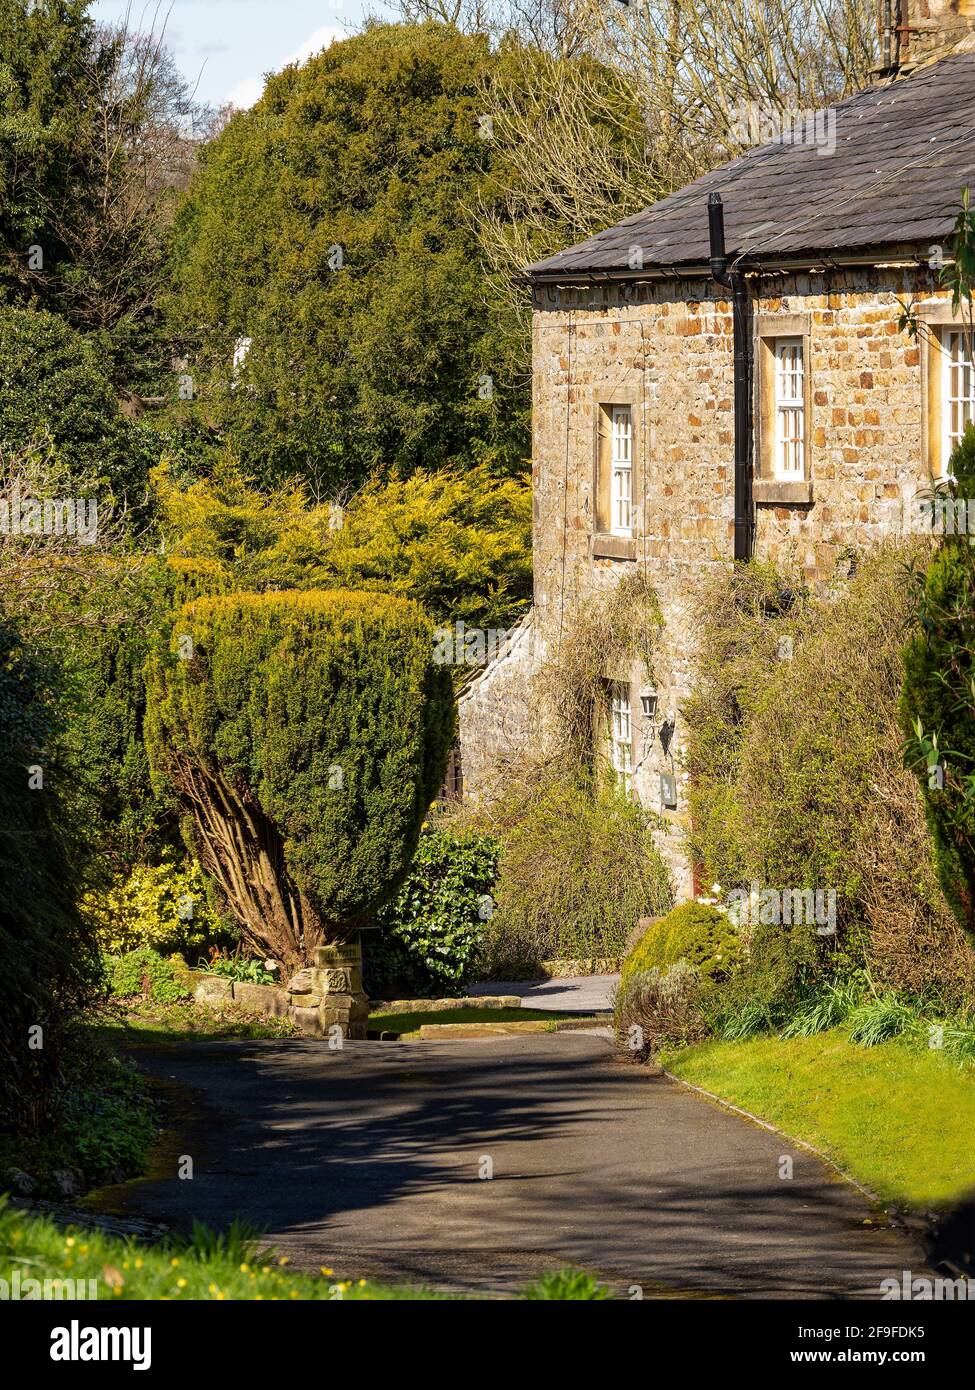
(249, 90)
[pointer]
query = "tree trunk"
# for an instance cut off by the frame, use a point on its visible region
(240, 848)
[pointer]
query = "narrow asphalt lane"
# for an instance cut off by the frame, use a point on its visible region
(478, 1165)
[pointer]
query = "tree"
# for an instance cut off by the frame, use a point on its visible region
(97, 128)
(600, 109)
(326, 226)
(459, 543)
(306, 735)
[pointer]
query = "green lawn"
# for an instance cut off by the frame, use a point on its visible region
(403, 1024)
(899, 1120)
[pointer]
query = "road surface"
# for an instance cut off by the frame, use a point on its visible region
(478, 1165)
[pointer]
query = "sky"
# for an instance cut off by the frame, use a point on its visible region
(226, 46)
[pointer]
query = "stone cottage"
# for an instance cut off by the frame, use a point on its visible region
(694, 403)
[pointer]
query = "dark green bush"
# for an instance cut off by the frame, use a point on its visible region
(56, 388)
(50, 969)
(306, 735)
(432, 931)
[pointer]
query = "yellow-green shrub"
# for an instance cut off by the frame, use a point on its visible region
(694, 932)
(162, 906)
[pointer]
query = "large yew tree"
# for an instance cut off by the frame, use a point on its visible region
(306, 735)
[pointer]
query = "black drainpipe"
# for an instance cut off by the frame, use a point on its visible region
(735, 281)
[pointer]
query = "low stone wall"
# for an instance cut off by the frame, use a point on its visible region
(319, 999)
(436, 1006)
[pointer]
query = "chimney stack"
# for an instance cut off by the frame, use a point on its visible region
(913, 32)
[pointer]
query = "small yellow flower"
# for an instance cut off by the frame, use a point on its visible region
(362, 1283)
(69, 1242)
(244, 1268)
(174, 1263)
(181, 1283)
(283, 1259)
(326, 1271)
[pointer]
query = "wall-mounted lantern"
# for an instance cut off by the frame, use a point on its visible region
(648, 702)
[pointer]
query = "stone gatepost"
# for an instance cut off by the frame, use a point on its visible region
(330, 992)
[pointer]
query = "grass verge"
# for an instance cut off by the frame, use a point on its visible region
(898, 1120)
(228, 1267)
(232, 1266)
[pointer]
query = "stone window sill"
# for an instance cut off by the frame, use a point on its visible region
(772, 492)
(607, 547)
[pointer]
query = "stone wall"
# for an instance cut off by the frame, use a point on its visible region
(667, 348)
(494, 713)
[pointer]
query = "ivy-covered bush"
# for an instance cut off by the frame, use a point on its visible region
(697, 933)
(305, 735)
(145, 972)
(433, 928)
(163, 906)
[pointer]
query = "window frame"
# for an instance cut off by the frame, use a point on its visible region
(621, 468)
(771, 484)
(606, 540)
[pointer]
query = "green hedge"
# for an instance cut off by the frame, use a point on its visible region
(435, 925)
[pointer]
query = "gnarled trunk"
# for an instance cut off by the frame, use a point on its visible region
(240, 848)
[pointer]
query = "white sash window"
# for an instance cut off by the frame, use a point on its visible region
(790, 410)
(959, 380)
(621, 463)
(621, 735)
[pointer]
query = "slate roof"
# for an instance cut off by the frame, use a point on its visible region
(903, 154)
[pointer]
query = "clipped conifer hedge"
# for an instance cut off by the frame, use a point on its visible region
(306, 735)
